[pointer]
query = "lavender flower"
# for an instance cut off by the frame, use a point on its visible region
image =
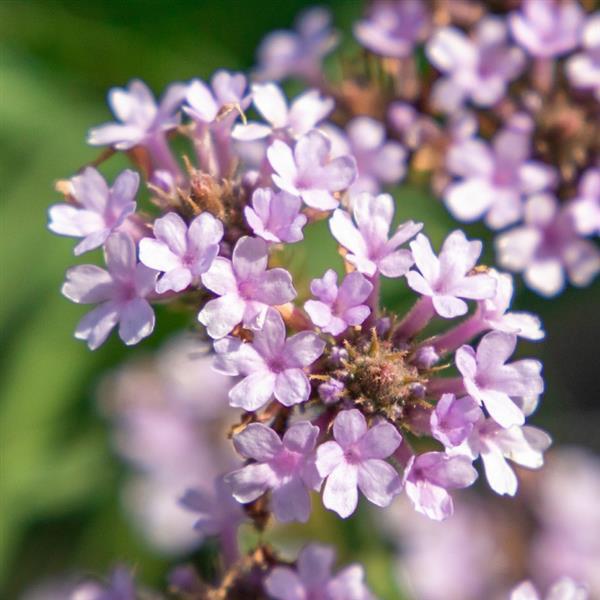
(547, 28)
(271, 365)
(445, 279)
(394, 27)
(100, 210)
(583, 69)
(338, 308)
(585, 208)
(429, 476)
(246, 288)
(355, 460)
(495, 444)
(378, 161)
(182, 253)
(491, 382)
(275, 217)
(312, 578)
(286, 466)
(546, 246)
(119, 587)
(564, 589)
(478, 70)
(453, 419)
(308, 171)
(122, 292)
(495, 178)
(370, 250)
(304, 114)
(298, 53)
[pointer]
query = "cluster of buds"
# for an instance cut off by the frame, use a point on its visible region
(337, 394)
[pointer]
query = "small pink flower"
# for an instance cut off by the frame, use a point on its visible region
(101, 209)
(284, 466)
(182, 253)
(338, 308)
(453, 419)
(369, 248)
(355, 461)
(121, 292)
(246, 288)
(308, 171)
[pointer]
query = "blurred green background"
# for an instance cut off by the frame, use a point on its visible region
(59, 508)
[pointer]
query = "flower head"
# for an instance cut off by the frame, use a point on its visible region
(122, 292)
(272, 365)
(308, 171)
(370, 249)
(246, 288)
(182, 253)
(338, 308)
(100, 210)
(355, 461)
(285, 466)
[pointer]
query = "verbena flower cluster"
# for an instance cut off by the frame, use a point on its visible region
(335, 397)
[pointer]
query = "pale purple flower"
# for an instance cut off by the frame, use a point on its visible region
(453, 419)
(547, 28)
(494, 179)
(312, 578)
(298, 53)
(285, 466)
(122, 292)
(100, 210)
(217, 512)
(246, 288)
(271, 364)
(492, 382)
(379, 161)
(355, 461)
(429, 476)
(585, 208)
(564, 589)
(445, 278)
(338, 308)
(546, 246)
(583, 69)
(120, 586)
(477, 69)
(227, 90)
(182, 253)
(140, 118)
(309, 171)
(369, 248)
(275, 216)
(331, 391)
(495, 445)
(394, 27)
(305, 112)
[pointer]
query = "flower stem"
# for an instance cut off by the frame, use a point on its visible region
(162, 157)
(417, 319)
(457, 336)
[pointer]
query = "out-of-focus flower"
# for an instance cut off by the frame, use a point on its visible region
(355, 461)
(182, 253)
(394, 27)
(370, 249)
(338, 308)
(122, 293)
(272, 365)
(119, 587)
(429, 476)
(275, 216)
(285, 466)
(309, 172)
(312, 578)
(305, 112)
(478, 70)
(246, 288)
(546, 246)
(585, 207)
(492, 382)
(298, 53)
(100, 210)
(583, 69)
(547, 28)
(563, 589)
